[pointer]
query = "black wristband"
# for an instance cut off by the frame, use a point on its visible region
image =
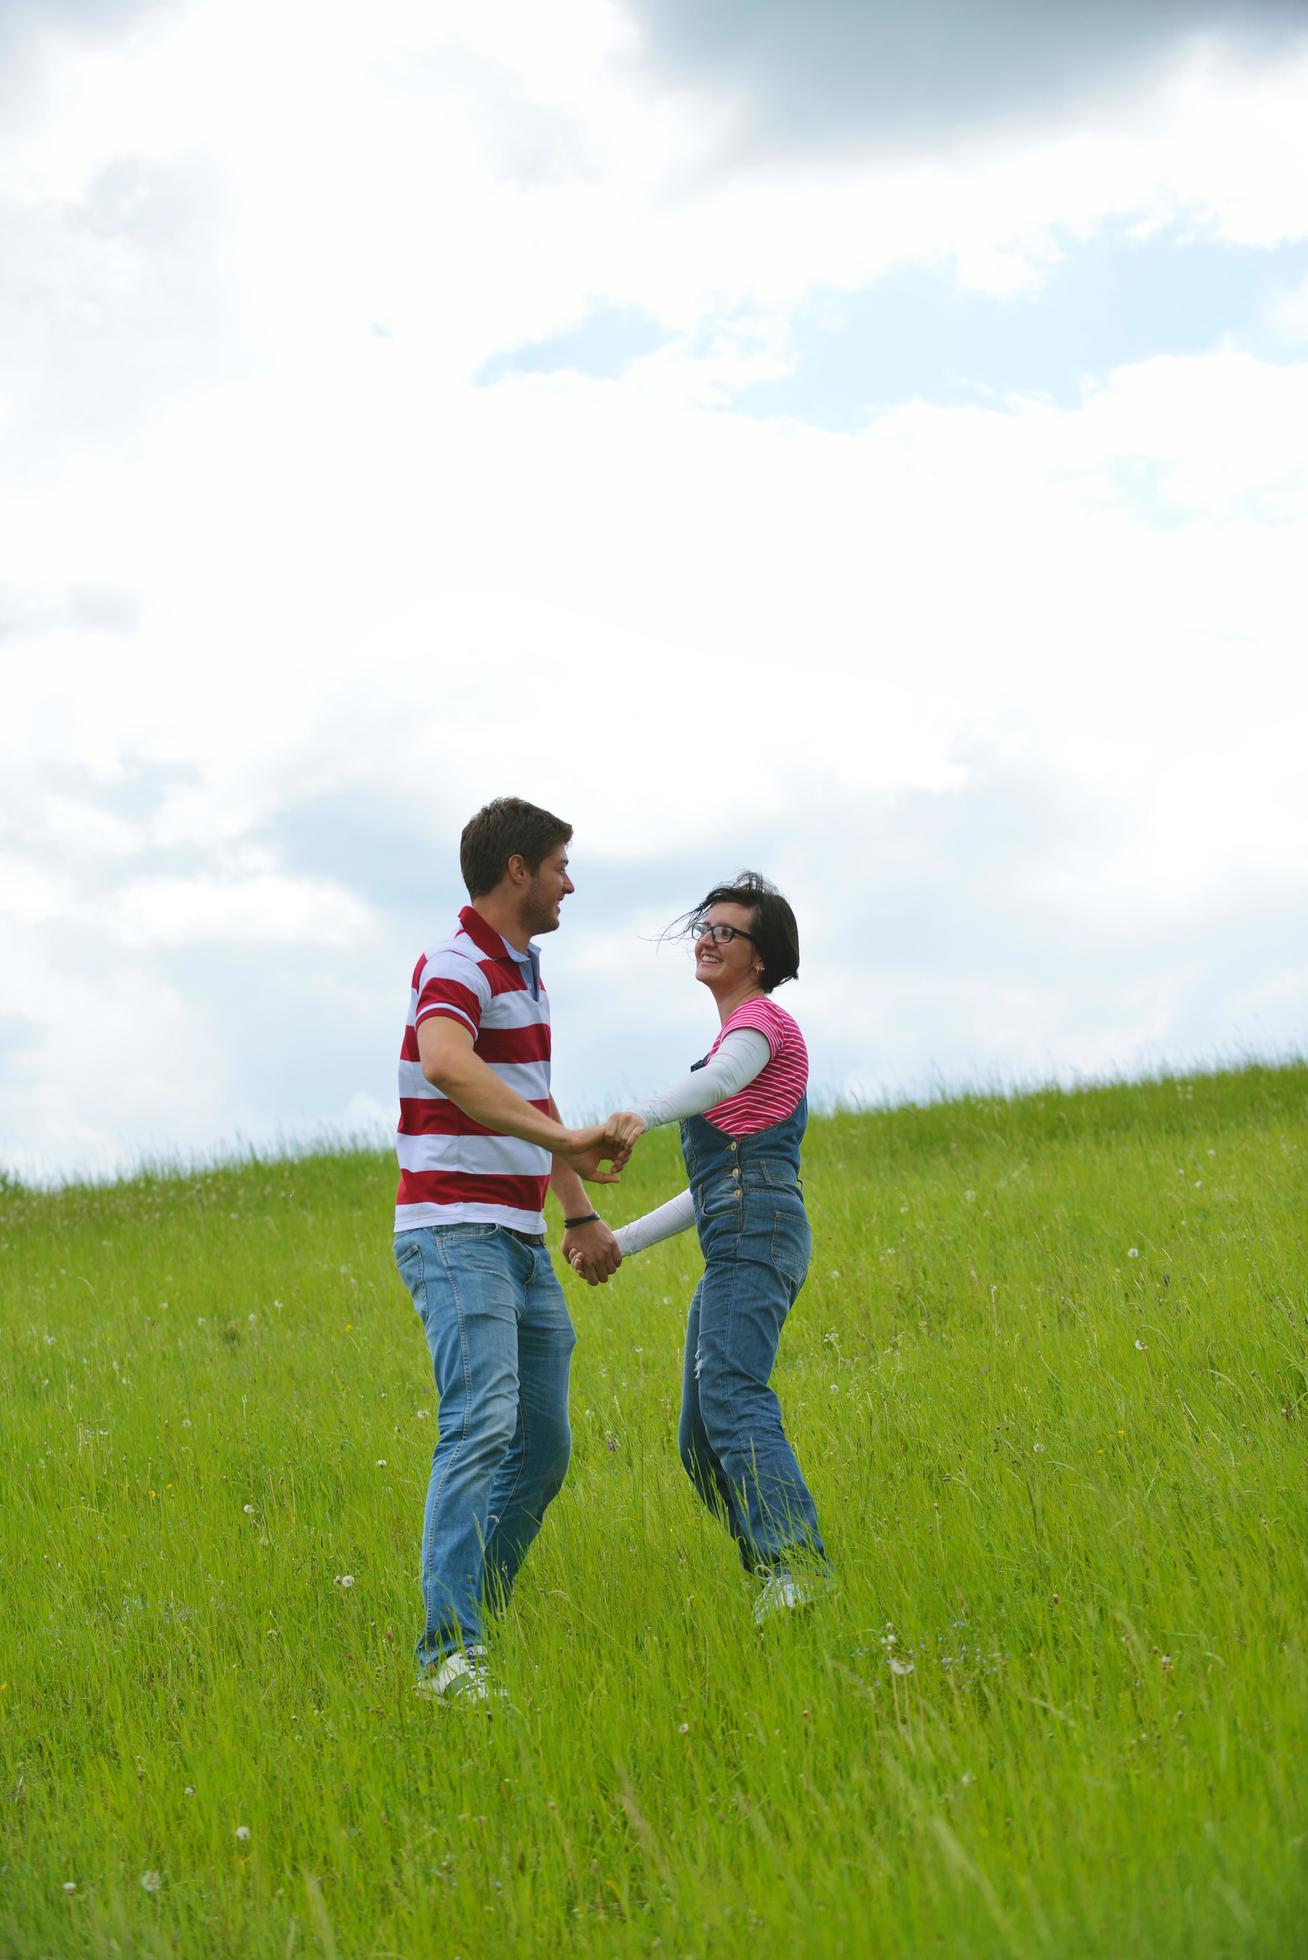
(591, 1218)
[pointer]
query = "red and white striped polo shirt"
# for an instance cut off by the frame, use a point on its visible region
(775, 1091)
(454, 1171)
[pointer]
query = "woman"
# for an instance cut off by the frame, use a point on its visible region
(742, 1111)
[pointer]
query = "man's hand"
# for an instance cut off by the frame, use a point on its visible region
(592, 1251)
(587, 1149)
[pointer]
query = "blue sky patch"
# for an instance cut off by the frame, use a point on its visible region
(600, 347)
(1113, 300)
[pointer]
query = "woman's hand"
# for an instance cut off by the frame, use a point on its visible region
(587, 1149)
(592, 1250)
(622, 1129)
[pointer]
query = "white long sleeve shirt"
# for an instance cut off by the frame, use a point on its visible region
(740, 1057)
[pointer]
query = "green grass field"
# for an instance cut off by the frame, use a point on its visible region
(1049, 1382)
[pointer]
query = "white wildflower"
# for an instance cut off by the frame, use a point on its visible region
(1133, 1252)
(1140, 1347)
(249, 1510)
(345, 1579)
(151, 1881)
(70, 1885)
(243, 1832)
(898, 1666)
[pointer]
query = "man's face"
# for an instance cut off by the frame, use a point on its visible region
(546, 892)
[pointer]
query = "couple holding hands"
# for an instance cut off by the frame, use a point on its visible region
(480, 1140)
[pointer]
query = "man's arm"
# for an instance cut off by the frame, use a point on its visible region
(446, 1056)
(590, 1249)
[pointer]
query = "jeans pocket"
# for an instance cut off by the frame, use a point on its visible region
(722, 1199)
(791, 1246)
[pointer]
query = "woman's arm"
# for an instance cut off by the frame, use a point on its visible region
(742, 1055)
(677, 1215)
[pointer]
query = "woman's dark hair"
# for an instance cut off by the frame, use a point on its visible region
(506, 827)
(773, 924)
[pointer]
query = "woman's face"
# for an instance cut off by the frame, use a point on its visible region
(723, 965)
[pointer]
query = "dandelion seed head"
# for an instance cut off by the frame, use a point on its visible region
(151, 1881)
(249, 1510)
(1133, 1252)
(242, 1832)
(70, 1885)
(898, 1666)
(1140, 1347)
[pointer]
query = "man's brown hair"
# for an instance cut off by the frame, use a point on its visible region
(506, 827)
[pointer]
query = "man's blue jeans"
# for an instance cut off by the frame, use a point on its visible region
(501, 1345)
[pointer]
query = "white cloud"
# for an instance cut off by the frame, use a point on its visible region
(288, 567)
(266, 909)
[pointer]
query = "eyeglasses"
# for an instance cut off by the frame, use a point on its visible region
(721, 935)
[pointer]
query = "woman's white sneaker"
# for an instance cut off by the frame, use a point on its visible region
(782, 1592)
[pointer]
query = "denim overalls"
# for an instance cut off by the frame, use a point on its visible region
(754, 1234)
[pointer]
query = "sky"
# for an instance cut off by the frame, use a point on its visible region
(861, 443)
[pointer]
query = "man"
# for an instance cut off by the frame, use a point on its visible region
(479, 1140)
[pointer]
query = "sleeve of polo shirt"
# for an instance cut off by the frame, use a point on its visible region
(455, 987)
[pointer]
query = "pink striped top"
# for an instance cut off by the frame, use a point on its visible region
(775, 1091)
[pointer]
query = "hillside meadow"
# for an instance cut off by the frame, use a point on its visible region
(1049, 1383)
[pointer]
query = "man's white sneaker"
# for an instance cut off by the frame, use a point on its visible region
(461, 1676)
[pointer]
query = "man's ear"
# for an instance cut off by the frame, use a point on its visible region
(515, 870)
